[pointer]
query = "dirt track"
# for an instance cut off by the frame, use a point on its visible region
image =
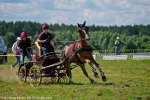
(8, 75)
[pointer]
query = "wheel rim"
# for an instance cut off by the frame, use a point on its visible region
(65, 79)
(35, 76)
(55, 79)
(22, 75)
(60, 77)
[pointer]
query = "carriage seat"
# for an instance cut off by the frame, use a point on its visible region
(38, 50)
(44, 61)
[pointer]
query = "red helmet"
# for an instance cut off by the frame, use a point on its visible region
(45, 26)
(23, 34)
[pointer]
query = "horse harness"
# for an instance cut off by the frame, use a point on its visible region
(80, 49)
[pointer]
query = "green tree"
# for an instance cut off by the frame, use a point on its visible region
(9, 39)
(29, 28)
(105, 43)
(18, 26)
(130, 44)
(35, 37)
(3, 28)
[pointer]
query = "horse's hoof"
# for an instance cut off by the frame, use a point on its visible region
(96, 75)
(104, 79)
(92, 81)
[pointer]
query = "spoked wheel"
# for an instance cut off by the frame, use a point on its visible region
(63, 78)
(22, 75)
(35, 76)
(60, 76)
(55, 78)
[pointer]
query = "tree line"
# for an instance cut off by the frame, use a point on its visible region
(101, 37)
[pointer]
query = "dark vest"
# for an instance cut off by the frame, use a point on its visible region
(46, 37)
(24, 45)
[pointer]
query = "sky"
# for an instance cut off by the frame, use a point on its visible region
(98, 12)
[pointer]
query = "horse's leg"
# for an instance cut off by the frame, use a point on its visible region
(101, 72)
(85, 73)
(67, 66)
(93, 69)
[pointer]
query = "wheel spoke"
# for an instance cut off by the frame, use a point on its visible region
(22, 75)
(34, 76)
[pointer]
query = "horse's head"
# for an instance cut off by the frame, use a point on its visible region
(83, 31)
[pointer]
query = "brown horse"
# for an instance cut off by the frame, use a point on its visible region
(80, 53)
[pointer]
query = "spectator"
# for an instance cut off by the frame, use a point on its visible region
(118, 44)
(16, 52)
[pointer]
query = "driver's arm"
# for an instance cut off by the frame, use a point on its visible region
(39, 41)
(54, 40)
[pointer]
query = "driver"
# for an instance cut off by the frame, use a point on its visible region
(44, 40)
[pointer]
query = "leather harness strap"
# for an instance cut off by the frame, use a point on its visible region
(86, 48)
(73, 46)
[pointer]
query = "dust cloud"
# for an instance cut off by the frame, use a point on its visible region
(9, 75)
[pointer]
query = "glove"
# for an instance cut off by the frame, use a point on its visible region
(43, 41)
(21, 51)
(32, 44)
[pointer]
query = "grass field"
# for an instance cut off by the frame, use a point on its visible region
(127, 80)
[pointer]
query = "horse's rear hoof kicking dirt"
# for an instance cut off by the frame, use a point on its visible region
(104, 79)
(80, 52)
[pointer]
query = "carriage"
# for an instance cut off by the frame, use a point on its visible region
(50, 63)
(60, 70)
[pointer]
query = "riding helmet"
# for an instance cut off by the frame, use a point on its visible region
(23, 34)
(45, 26)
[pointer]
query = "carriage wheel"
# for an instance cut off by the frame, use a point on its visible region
(22, 75)
(63, 76)
(60, 76)
(65, 79)
(55, 78)
(35, 76)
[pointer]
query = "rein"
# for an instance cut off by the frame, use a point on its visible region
(80, 49)
(86, 48)
(81, 40)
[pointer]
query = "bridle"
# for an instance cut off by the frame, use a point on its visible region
(78, 46)
(85, 33)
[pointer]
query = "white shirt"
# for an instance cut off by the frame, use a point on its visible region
(14, 48)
